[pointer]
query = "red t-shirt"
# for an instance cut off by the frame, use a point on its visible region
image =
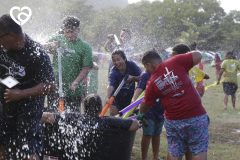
(170, 82)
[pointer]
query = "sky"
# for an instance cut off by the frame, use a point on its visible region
(227, 5)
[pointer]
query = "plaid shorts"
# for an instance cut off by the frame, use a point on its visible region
(183, 133)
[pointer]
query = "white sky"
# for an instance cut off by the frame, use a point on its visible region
(227, 5)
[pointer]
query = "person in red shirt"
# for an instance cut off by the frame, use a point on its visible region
(217, 65)
(186, 121)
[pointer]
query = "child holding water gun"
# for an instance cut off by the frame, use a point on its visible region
(154, 118)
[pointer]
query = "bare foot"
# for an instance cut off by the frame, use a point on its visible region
(234, 107)
(225, 108)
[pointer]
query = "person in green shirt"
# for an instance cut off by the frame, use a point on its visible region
(76, 63)
(229, 70)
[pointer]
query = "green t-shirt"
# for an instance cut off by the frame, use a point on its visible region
(230, 67)
(75, 56)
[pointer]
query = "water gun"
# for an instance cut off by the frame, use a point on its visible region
(130, 107)
(107, 105)
(60, 91)
(142, 121)
(130, 112)
(212, 85)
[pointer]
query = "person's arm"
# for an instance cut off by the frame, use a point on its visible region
(220, 75)
(95, 66)
(109, 92)
(144, 108)
(206, 76)
(135, 125)
(137, 93)
(132, 78)
(48, 118)
(51, 46)
(197, 56)
(80, 77)
(108, 43)
(35, 92)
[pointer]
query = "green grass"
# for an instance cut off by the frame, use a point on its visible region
(224, 141)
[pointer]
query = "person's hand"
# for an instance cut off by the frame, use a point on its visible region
(218, 82)
(95, 66)
(130, 78)
(52, 45)
(111, 36)
(106, 101)
(73, 86)
(12, 95)
(139, 116)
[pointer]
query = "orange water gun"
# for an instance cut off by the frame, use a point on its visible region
(107, 105)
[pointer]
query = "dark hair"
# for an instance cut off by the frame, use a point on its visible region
(181, 48)
(128, 31)
(193, 46)
(230, 55)
(71, 22)
(120, 53)
(92, 104)
(8, 25)
(151, 56)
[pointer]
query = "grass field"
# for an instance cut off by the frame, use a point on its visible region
(224, 128)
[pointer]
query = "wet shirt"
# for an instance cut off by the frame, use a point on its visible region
(170, 81)
(230, 67)
(156, 112)
(30, 66)
(127, 90)
(196, 75)
(75, 56)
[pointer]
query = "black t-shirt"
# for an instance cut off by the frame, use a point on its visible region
(86, 138)
(30, 66)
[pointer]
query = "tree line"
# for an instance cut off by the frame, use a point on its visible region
(168, 22)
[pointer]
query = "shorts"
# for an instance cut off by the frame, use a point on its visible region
(230, 88)
(183, 133)
(23, 129)
(153, 128)
(72, 104)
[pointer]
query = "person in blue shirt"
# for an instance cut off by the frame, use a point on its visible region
(154, 118)
(117, 73)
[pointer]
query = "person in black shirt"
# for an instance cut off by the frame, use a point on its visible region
(88, 136)
(26, 76)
